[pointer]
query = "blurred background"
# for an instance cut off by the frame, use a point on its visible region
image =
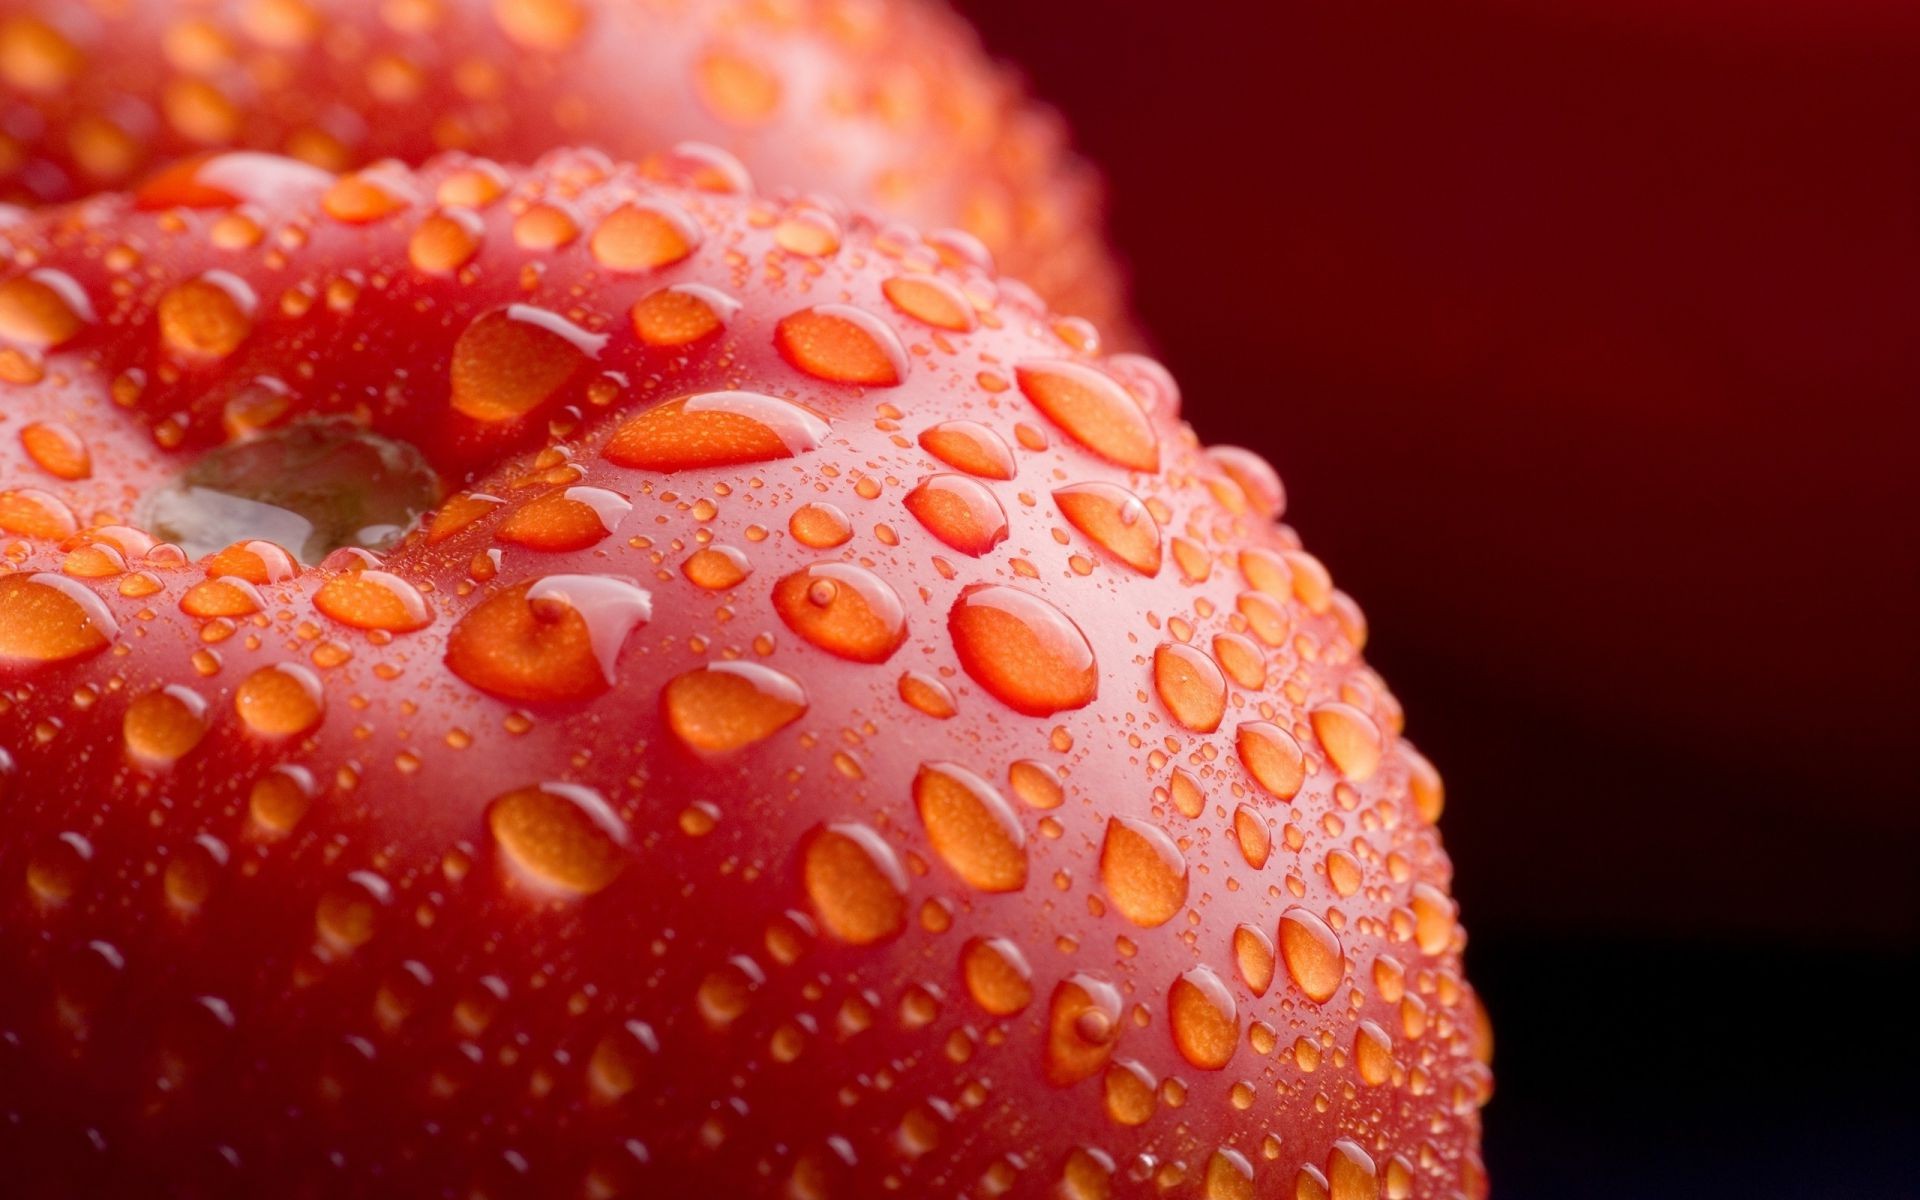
(1586, 335)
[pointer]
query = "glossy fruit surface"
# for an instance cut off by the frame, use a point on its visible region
(764, 723)
(891, 106)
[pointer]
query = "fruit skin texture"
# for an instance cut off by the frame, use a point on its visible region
(889, 106)
(616, 868)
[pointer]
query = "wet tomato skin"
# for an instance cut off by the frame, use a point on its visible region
(798, 741)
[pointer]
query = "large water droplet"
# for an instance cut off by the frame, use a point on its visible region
(842, 344)
(565, 519)
(1023, 650)
(725, 706)
(50, 618)
(550, 639)
(511, 361)
(1350, 738)
(843, 609)
(1116, 519)
(1272, 757)
(715, 429)
(997, 974)
(856, 883)
(960, 512)
(972, 828)
(283, 700)
(1143, 871)
(1083, 1023)
(971, 447)
(561, 835)
(1190, 685)
(163, 726)
(1311, 950)
(1094, 409)
(1204, 1018)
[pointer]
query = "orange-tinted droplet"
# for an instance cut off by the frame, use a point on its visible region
(551, 639)
(163, 726)
(446, 241)
(1022, 650)
(1311, 950)
(30, 512)
(284, 700)
(643, 236)
(1256, 479)
(715, 429)
(1350, 738)
(364, 197)
(1272, 757)
(736, 88)
(998, 977)
(856, 883)
(841, 344)
(1093, 409)
(50, 618)
(1253, 954)
(928, 694)
(1351, 1174)
(969, 446)
(513, 360)
(728, 705)
(566, 519)
(1083, 1023)
(1190, 685)
(373, 600)
(458, 513)
(819, 525)
(932, 300)
(228, 179)
(43, 309)
(1115, 519)
(561, 835)
(1424, 782)
(543, 25)
(716, 568)
(843, 609)
(1144, 873)
(1204, 1019)
(56, 449)
(681, 315)
(960, 512)
(207, 317)
(279, 799)
(971, 828)
(1229, 1177)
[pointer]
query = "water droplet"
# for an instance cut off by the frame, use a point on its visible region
(960, 512)
(971, 827)
(841, 344)
(1272, 757)
(373, 600)
(1143, 871)
(1255, 477)
(1253, 954)
(544, 25)
(284, 700)
(724, 994)
(1093, 409)
(856, 883)
(1350, 738)
(56, 449)
(681, 315)
(279, 799)
(643, 236)
(561, 835)
(1087, 1175)
(1351, 1174)
(1229, 1176)
(43, 309)
(1083, 1023)
(514, 360)
(1433, 922)
(556, 638)
(1116, 519)
(565, 519)
(820, 526)
(1022, 650)
(997, 974)
(207, 317)
(1204, 1018)
(163, 726)
(1372, 1054)
(932, 300)
(715, 429)
(230, 179)
(843, 609)
(1311, 950)
(1132, 1093)
(51, 618)
(971, 447)
(725, 706)
(348, 916)
(30, 512)
(716, 568)
(1190, 685)
(619, 1059)
(1424, 782)
(446, 241)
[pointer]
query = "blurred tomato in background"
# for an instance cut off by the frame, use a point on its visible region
(1586, 335)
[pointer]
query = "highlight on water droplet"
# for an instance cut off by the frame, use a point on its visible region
(725, 706)
(845, 610)
(971, 827)
(1025, 652)
(563, 836)
(1144, 873)
(715, 429)
(855, 881)
(554, 638)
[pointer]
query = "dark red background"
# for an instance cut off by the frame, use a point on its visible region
(1586, 335)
